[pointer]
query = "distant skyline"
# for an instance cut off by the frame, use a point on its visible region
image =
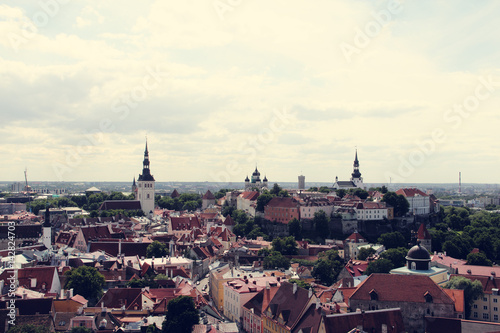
(221, 86)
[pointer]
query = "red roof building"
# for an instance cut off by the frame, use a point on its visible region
(282, 210)
(416, 295)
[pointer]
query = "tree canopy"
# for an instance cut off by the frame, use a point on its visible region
(85, 281)
(472, 290)
(398, 201)
(328, 267)
(28, 328)
(156, 249)
(379, 266)
(392, 240)
(181, 315)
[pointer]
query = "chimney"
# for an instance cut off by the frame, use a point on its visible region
(71, 291)
(294, 288)
(267, 285)
(318, 304)
(33, 282)
(310, 293)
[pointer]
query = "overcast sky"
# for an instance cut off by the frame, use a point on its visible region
(219, 86)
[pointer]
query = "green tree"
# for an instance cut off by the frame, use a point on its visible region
(341, 192)
(321, 221)
(379, 266)
(276, 189)
(300, 283)
(80, 329)
(398, 201)
(472, 290)
(328, 267)
(276, 260)
(86, 281)
(324, 189)
(285, 246)
(29, 328)
(365, 252)
(360, 193)
(181, 315)
(478, 259)
(295, 229)
(157, 250)
(392, 240)
(396, 256)
(263, 200)
(191, 205)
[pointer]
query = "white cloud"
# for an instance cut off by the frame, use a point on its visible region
(222, 79)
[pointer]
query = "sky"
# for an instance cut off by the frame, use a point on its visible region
(219, 87)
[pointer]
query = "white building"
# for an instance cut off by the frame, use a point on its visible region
(356, 180)
(146, 186)
(239, 291)
(311, 206)
(420, 203)
(371, 211)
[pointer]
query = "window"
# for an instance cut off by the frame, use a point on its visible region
(485, 307)
(475, 315)
(495, 308)
(486, 316)
(495, 317)
(485, 299)
(495, 300)
(475, 306)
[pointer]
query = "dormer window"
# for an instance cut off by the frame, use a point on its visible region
(428, 297)
(373, 295)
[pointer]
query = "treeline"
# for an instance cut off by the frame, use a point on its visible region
(461, 230)
(89, 202)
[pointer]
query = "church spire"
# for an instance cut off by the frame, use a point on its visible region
(146, 173)
(356, 173)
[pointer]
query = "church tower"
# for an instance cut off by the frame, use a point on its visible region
(47, 230)
(356, 175)
(146, 186)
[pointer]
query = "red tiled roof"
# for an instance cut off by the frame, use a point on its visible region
(356, 237)
(457, 295)
(229, 220)
(44, 277)
(95, 232)
(250, 195)
(208, 196)
(287, 304)
(121, 204)
(394, 288)
(423, 233)
(411, 192)
(371, 321)
(286, 202)
(184, 222)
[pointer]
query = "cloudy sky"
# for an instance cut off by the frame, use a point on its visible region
(218, 86)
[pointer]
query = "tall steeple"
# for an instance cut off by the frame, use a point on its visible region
(146, 185)
(356, 173)
(146, 173)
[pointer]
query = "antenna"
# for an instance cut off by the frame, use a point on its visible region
(459, 182)
(26, 187)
